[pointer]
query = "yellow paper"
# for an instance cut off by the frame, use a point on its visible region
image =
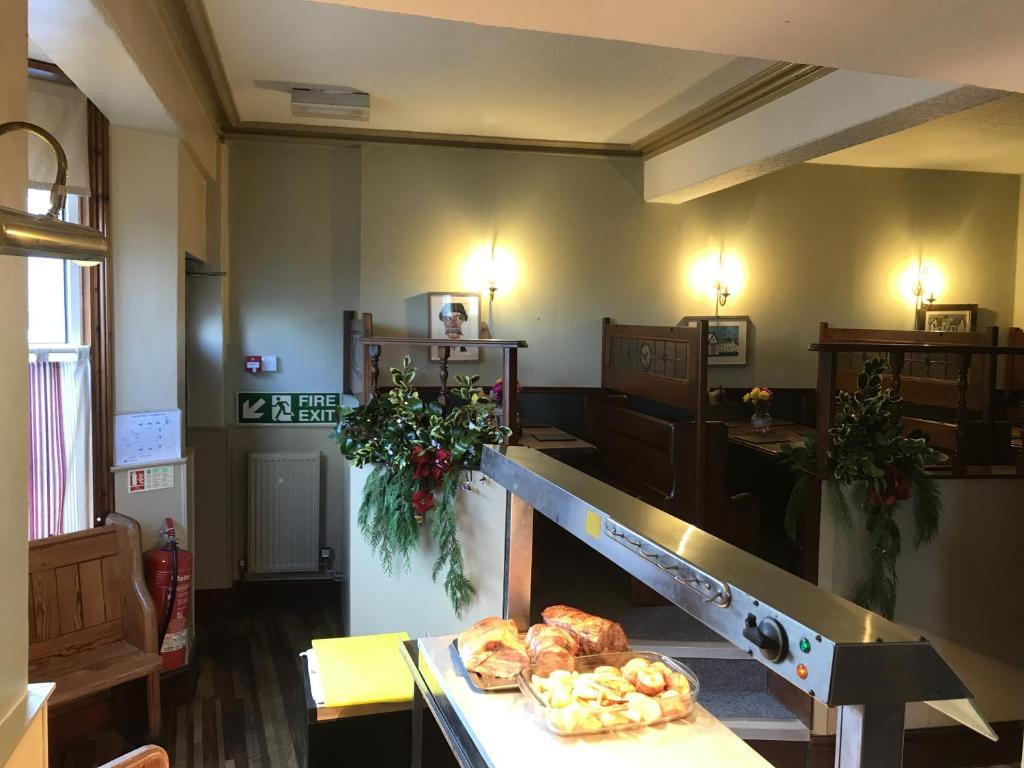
(363, 670)
(593, 524)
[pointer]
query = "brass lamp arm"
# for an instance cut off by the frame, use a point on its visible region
(58, 191)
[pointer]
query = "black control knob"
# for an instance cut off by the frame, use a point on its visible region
(768, 636)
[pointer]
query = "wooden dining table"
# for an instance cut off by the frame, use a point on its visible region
(771, 442)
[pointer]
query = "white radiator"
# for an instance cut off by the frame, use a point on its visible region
(284, 512)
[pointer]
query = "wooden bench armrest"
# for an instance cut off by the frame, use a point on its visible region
(144, 757)
(139, 616)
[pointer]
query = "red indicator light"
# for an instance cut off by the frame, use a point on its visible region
(801, 671)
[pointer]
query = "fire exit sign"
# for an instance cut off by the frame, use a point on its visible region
(287, 407)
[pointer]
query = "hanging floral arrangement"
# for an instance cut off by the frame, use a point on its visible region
(882, 467)
(419, 451)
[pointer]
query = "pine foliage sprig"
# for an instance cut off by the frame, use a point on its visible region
(401, 435)
(881, 467)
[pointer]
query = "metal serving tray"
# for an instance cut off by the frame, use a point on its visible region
(551, 716)
(478, 682)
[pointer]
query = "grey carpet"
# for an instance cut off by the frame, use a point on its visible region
(568, 571)
(736, 689)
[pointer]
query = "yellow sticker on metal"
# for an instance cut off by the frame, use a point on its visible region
(593, 524)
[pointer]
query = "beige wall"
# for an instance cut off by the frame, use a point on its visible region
(575, 227)
(191, 206)
(294, 268)
(836, 244)
(13, 390)
(148, 271)
(316, 229)
(815, 242)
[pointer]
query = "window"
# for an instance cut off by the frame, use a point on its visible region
(54, 286)
(60, 461)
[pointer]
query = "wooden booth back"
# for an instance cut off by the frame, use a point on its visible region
(664, 462)
(665, 364)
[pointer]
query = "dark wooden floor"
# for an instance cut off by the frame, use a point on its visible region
(247, 710)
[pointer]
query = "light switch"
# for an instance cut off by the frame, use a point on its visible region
(270, 363)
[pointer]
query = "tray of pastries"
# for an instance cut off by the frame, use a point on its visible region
(610, 692)
(492, 652)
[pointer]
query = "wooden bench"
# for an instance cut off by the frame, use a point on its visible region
(92, 622)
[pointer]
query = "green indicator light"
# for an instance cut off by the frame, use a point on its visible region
(805, 645)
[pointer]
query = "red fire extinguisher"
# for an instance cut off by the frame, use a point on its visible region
(169, 577)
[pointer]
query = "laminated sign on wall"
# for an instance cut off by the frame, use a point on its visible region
(150, 479)
(287, 407)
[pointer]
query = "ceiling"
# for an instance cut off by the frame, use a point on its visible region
(977, 42)
(989, 138)
(37, 53)
(445, 77)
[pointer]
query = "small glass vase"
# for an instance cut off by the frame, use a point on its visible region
(761, 422)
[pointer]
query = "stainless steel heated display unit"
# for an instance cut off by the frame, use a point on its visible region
(840, 654)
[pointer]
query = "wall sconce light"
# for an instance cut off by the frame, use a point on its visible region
(45, 235)
(716, 274)
(924, 287)
(492, 274)
(722, 293)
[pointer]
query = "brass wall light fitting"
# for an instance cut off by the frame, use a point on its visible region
(45, 235)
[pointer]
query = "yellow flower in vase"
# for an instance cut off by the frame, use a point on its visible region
(760, 397)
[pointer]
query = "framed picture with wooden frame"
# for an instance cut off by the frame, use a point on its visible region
(727, 337)
(958, 318)
(454, 315)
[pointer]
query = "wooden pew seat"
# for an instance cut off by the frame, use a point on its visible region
(92, 622)
(92, 671)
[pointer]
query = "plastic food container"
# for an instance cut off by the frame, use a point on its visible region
(588, 700)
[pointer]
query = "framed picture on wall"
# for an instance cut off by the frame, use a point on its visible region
(452, 315)
(727, 337)
(958, 318)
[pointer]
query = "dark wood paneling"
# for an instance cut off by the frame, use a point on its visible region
(97, 321)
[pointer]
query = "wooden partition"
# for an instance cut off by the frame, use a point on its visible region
(355, 376)
(928, 377)
(954, 374)
(673, 462)
(510, 366)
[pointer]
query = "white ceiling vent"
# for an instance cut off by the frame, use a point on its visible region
(333, 103)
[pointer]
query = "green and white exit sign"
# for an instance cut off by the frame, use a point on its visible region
(287, 407)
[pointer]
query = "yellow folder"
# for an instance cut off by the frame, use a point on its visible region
(363, 670)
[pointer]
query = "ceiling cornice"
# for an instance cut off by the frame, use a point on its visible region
(767, 85)
(51, 73)
(212, 61)
(249, 130)
(191, 25)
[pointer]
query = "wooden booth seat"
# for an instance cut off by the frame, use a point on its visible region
(92, 622)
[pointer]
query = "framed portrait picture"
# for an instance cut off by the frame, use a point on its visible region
(727, 338)
(959, 318)
(454, 316)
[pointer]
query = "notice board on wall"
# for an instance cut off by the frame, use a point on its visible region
(142, 438)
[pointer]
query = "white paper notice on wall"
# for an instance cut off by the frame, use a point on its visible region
(141, 438)
(150, 479)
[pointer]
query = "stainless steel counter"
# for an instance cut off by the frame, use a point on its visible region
(498, 730)
(837, 652)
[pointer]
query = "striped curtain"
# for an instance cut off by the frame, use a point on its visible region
(59, 489)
